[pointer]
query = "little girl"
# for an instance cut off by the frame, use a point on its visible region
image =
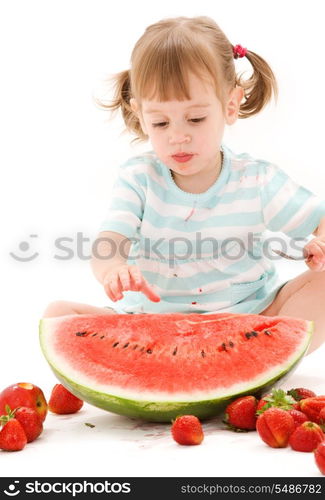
(184, 232)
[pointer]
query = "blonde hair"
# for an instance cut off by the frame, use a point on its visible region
(171, 48)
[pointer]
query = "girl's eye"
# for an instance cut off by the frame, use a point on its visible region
(162, 124)
(197, 120)
(193, 120)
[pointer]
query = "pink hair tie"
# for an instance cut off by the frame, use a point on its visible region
(239, 51)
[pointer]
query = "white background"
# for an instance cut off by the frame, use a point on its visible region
(59, 155)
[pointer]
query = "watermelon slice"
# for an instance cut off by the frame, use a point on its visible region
(158, 366)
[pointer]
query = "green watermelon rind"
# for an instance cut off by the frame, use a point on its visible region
(166, 411)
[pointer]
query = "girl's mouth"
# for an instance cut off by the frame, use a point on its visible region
(182, 158)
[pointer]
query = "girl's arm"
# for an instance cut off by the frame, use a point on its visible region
(109, 250)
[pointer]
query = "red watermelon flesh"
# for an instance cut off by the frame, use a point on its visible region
(156, 366)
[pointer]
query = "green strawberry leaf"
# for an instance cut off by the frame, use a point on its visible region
(10, 414)
(277, 398)
(8, 409)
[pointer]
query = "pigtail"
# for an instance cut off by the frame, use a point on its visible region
(258, 88)
(121, 100)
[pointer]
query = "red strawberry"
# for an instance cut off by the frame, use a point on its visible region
(306, 437)
(274, 426)
(240, 414)
(187, 430)
(12, 436)
(298, 417)
(63, 402)
(312, 407)
(262, 402)
(30, 421)
(277, 398)
(301, 393)
(322, 418)
(319, 454)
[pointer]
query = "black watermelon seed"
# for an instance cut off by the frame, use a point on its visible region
(175, 351)
(267, 332)
(102, 337)
(136, 345)
(149, 351)
(203, 354)
(254, 333)
(81, 334)
(231, 344)
(126, 345)
(248, 335)
(94, 334)
(116, 343)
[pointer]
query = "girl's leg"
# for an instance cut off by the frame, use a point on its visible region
(61, 308)
(303, 297)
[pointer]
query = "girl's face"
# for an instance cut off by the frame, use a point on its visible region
(194, 126)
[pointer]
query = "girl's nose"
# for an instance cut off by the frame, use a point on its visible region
(179, 139)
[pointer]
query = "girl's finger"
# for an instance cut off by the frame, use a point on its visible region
(136, 276)
(317, 250)
(307, 253)
(321, 255)
(118, 289)
(108, 292)
(135, 286)
(318, 258)
(124, 278)
(149, 291)
(113, 286)
(321, 243)
(314, 265)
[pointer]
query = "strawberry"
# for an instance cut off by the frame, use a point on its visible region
(298, 417)
(274, 426)
(319, 454)
(301, 393)
(312, 407)
(12, 436)
(306, 437)
(240, 414)
(29, 419)
(277, 398)
(63, 402)
(322, 418)
(187, 430)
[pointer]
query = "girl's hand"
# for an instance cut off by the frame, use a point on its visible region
(315, 250)
(126, 277)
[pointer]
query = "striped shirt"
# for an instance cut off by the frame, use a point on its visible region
(207, 252)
